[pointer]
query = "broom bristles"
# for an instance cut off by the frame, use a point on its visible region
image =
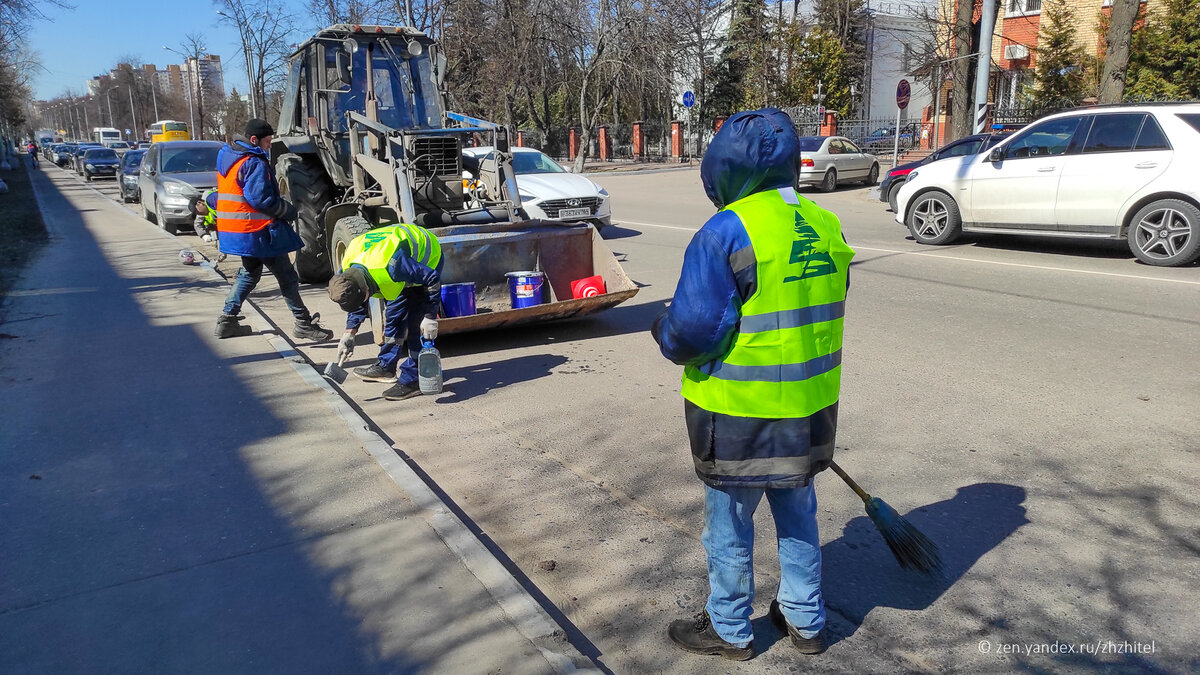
(913, 550)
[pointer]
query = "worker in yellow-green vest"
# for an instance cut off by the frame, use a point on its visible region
(756, 322)
(402, 264)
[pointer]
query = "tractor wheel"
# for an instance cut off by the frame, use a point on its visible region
(305, 185)
(345, 231)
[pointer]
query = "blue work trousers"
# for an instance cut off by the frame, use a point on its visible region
(729, 543)
(402, 330)
(248, 276)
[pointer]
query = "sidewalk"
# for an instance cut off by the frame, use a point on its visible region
(171, 502)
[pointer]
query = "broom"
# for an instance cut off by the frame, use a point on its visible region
(912, 549)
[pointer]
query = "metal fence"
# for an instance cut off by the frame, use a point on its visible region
(807, 119)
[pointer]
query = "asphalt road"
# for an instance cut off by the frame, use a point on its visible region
(1030, 404)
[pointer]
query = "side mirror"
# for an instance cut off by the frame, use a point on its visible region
(996, 156)
(441, 65)
(341, 66)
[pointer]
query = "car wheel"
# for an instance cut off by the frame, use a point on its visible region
(829, 182)
(872, 176)
(162, 220)
(1165, 233)
(933, 218)
(87, 176)
(345, 230)
(893, 195)
(146, 212)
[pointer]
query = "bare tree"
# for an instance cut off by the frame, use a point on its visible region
(961, 30)
(266, 28)
(1116, 50)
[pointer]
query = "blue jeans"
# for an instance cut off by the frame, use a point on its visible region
(248, 276)
(402, 332)
(729, 543)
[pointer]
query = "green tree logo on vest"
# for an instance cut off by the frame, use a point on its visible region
(804, 250)
(375, 237)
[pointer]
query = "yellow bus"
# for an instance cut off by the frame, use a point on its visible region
(169, 130)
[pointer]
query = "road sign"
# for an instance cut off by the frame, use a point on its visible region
(128, 132)
(903, 94)
(689, 99)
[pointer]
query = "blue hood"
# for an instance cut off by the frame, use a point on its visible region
(232, 152)
(755, 150)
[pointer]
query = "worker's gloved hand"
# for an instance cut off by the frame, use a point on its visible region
(429, 328)
(345, 347)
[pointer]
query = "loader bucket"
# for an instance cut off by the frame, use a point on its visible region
(564, 252)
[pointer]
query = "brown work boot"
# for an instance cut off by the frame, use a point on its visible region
(812, 645)
(699, 637)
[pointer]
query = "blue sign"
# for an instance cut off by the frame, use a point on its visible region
(903, 94)
(689, 99)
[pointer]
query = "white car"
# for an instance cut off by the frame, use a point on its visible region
(829, 161)
(1109, 172)
(548, 191)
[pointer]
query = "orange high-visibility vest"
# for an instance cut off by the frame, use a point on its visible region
(234, 214)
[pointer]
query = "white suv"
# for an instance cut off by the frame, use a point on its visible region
(1130, 171)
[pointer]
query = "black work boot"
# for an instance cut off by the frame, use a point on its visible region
(228, 326)
(812, 645)
(374, 373)
(699, 637)
(310, 330)
(399, 392)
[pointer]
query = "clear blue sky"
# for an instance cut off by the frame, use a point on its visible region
(77, 44)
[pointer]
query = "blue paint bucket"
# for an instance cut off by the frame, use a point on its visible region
(525, 288)
(458, 299)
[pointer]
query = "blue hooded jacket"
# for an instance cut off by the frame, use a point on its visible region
(753, 152)
(261, 191)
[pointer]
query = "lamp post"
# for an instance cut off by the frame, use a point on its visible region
(191, 112)
(108, 95)
(249, 69)
(132, 109)
(154, 96)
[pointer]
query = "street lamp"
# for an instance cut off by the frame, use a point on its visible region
(108, 95)
(132, 109)
(249, 73)
(191, 112)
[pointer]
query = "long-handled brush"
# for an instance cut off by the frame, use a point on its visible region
(912, 549)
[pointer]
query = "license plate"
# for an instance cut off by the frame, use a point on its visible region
(574, 213)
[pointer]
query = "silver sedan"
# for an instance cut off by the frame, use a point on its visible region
(829, 161)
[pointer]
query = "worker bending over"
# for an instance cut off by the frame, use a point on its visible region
(403, 265)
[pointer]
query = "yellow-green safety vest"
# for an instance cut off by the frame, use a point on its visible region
(785, 360)
(374, 249)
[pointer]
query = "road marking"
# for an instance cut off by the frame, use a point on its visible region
(1049, 268)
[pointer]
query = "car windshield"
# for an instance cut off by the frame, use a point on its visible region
(189, 160)
(811, 143)
(118, 144)
(133, 159)
(100, 154)
(533, 162)
(174, 126)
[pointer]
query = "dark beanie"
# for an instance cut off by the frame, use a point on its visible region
(258, 128)
(348, 290)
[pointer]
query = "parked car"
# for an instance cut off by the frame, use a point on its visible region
(55, 150)
(99, 162)
(883, 139)
(827, 161)
(77, 156)
(127, 175)
(1114, 172)
(62, 154)
(547, 190)
(119, 146)
(172, 177)
(967, 145)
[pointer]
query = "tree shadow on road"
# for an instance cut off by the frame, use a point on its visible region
(859, 572)
(467, 383)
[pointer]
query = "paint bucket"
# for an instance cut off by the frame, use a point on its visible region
(458, 299)
(525, 288)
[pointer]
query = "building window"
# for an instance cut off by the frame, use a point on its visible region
(1024, 6)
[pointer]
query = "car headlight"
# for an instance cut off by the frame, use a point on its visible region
(912, 175)
(89, 167)
(527, 197)
(179, 189)
(601, 190)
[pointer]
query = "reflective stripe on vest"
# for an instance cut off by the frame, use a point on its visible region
(372, 251)
(234, 213)
(786, 358)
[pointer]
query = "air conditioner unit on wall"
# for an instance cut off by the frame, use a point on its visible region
(1016, 52)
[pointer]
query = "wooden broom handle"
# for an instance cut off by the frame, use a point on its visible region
(862, 494)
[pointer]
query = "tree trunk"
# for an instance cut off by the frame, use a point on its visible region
(1116, 50)
(961, 110)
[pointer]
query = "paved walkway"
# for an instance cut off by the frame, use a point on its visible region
(170, 502)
